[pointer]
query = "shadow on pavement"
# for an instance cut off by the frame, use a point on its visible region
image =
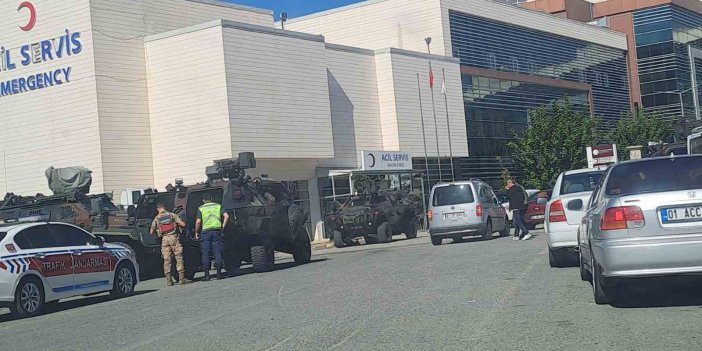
(473, 239)
(77, 303)
(659, 292)
(278, 266)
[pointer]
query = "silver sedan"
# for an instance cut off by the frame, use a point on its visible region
(644, 219)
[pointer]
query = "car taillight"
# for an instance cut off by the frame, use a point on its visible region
(625, 217)
(479, 210)
(430, 215)
(556, 212)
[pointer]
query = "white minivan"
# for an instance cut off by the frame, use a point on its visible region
(462, 208)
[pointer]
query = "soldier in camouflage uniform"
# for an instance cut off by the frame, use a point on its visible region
(165, 225)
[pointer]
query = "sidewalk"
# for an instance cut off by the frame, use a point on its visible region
(327, 247)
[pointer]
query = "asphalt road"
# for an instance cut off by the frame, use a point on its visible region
(408, 295)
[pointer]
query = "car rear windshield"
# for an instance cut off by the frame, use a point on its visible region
(580, 182)
(655, 175)
(453, 195)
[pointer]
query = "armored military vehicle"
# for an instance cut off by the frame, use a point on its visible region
(72, 203)
(263, 217)
(375, 216)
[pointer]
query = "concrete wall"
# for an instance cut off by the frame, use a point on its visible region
(120, 27)
(278, 93)
(405, 66)
(354, 103)
(189, 109)
(54, 126)
(404, 24)
(378, 24)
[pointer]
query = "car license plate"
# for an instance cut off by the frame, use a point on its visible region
(681, 214)
(453, 215)
(538, 217)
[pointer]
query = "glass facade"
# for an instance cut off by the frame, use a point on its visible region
(663, 34)
(496, 107)
(484, 43)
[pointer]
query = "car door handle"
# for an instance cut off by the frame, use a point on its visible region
(77, 253)
(41, 256)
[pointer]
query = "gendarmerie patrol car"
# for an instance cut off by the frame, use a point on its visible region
(41, 263)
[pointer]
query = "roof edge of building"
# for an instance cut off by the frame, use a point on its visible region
(352, 49)
(236, 25)
(542, 14)
(417, 54)
(234, 6)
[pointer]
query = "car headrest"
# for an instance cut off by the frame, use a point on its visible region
(576, 188)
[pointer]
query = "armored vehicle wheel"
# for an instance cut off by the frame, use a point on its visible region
(411, 231)
(385, 233)
(302, 250)
(262, 258)
(232, 262)
(294, 215)
(339, 239)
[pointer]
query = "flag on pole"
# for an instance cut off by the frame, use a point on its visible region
(431, 78)
(443, 85)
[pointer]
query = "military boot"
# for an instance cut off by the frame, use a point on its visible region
(182, 280)
(219, 273)
(169, 281)
(206, 278)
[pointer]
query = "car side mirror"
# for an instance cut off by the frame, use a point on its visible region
(575, 205)
(542, 201)
(99, 241)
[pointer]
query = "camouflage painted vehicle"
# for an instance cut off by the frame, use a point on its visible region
(375, 216)
(95, 213)
(263, 217)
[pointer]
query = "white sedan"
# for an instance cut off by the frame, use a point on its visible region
(564, 212)
(41, 263)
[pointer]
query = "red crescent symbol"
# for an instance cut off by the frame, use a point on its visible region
(32, 15)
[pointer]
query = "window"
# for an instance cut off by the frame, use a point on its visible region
(2, 235)
(36, 237)
(66, 235)
(582, 76)
(515, 64)
(453, 195)
(580, 182)
(646, 176)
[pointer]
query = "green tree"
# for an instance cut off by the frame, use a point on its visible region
(554, 142)
(639, 128)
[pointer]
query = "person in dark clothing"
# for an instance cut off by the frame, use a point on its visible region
(518, 200)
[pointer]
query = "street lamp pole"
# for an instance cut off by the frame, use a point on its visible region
(433, 107)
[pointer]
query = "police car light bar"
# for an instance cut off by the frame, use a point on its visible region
(30, 219)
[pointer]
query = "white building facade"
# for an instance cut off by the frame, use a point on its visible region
(143, 92)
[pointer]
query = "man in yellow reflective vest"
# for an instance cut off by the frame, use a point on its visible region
(209, 229)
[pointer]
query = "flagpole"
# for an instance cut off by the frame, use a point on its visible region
(424, 137)
(448, 123)
(433, 107)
